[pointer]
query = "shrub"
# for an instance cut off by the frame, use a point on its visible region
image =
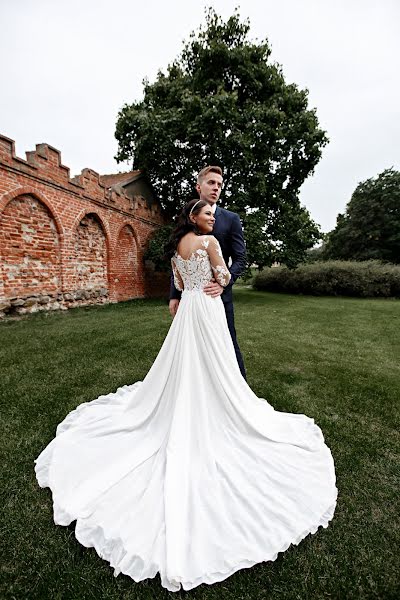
(333, 278)
(155, 250)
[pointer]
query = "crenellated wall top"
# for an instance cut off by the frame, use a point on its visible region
(44, 163)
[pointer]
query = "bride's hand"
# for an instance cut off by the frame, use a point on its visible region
(213, 289)
(173, 307)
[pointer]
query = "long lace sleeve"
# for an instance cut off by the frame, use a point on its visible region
(218, 265)
(177, 278)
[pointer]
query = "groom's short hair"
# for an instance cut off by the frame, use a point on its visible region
(206, 171)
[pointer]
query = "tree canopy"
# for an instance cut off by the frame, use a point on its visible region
(223, 102)
(370, 227)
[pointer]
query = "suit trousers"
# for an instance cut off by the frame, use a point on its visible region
(230, 317)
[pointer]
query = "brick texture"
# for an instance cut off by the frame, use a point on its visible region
(66, 242)
(128, 273)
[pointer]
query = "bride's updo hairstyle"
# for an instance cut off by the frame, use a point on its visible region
(184, 225)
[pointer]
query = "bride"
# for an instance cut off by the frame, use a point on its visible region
(189, 474)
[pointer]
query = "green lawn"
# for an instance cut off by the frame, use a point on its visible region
(334, 359)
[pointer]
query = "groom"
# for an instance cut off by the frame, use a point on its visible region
(229, 233)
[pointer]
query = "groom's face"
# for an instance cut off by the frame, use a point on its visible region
(209, 188)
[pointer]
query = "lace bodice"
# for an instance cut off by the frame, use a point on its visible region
(204, 263)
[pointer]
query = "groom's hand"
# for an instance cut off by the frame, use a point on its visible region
(213, 289)
(173, 307)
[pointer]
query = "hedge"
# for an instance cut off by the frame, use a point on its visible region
(333, 278)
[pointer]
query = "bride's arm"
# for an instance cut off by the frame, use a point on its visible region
(218, 265)
(177, 277)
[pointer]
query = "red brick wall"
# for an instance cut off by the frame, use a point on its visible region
(68, 242)
(32, 262)
(89, 268)
(126, 264)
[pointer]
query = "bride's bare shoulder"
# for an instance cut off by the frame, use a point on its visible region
(188, 236)
(187, 244)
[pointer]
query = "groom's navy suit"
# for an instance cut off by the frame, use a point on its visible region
(228, 231)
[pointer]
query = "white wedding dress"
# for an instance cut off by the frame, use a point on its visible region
(189, 474)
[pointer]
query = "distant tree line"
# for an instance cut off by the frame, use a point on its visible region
(360, 257)
(369, 229)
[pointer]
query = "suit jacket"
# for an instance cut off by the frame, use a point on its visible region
(228, 231)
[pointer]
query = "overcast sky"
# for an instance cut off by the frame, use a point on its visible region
(67, 67)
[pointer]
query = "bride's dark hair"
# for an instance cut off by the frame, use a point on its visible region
(183, 225)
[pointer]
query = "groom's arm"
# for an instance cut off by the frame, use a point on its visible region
(238, 250)
(174, 297)
(174, 294)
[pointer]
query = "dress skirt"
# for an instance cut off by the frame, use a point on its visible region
(187, 473)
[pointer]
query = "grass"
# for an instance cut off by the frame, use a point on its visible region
(334, 359)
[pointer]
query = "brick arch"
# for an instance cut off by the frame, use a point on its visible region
(31, 191)
(103, 223)
(129, 224)
(88, 272)
(126, 271)
(30, 246)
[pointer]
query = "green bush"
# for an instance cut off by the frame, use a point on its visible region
(155, 250)
(333, 278)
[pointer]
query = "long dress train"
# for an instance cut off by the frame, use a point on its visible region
(188, 473)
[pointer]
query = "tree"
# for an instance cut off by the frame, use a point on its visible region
(370, 227)
(223, 102)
